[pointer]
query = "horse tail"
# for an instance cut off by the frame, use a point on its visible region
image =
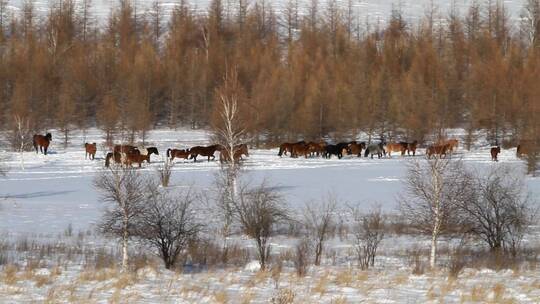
(280, 151)
(108, 159)
(34, 143)
(366, 154)
(518, 151)
(168, 152)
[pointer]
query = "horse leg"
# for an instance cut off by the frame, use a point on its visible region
(45, 150)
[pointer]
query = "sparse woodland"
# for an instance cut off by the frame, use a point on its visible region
(302, 71)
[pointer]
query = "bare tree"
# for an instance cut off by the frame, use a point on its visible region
(434, 189)
(122, 188)
(258, 211)
(368, 231)
(164, 172)
(168, 223)
(318, 219)
(229, 132)
(530, 22)
(20, 137)
(499, 211)
(3, 167)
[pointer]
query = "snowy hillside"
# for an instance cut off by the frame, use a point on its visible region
(369, 10)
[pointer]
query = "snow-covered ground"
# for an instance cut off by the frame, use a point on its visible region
(56, 190)
(53, 192)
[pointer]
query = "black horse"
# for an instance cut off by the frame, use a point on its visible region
(333, 150)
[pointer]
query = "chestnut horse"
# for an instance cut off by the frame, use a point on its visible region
(204, 151)
(116, 156)
(42, 141)
(136, 158)
(356, 148)
(316, 148)
(91, 150)
(300, 149)
(452, 144)
(396, 147)
(175, 153)
(239, 150)
(288, 147)
(495, 152)
(439, 150)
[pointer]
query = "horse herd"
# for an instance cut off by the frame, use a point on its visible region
(128, 155)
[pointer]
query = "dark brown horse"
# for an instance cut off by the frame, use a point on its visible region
(42, 141)
(300, 149)
(116, 156)
(437, 150)
(204, 151)
(239, 150)
(288, 147)
(495, 152)
(356, 148)
(316, 148)
(175, 153)
(91, 150)
(136, 158)
(411, 147)
(526, 147)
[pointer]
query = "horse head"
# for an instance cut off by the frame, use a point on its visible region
(49, 136)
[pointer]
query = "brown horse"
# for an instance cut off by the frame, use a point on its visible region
(91, 150)
(239, 150)
(288, 147)
(495, 152)
(136, 158)
(396, 147)
(316, 148)
(439, 150)
(124, 148)
(204, 151)
(300, 149)
(175, 153)
(116, 156)
(452, 144)
(356, 148)
(411, 147)
(42, 141)
(526, 147)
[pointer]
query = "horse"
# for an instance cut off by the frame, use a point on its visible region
(356, 148)
(396, 147)
(288, 147)
(42, 141)
(375, 149)
(526, 147)
(116, 156)
(344, 147)
(137, 158)
(91, 150)
(316, 148)
(452, 144)
(148, 151)
(124, 148)
(495, 152)
(204, 151)
(333, 150)
(239, 150)
(410, 146)
(300, 149)
(174, 153)
(439, 150)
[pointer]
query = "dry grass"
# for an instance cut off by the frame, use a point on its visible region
(339, 300)
(221, 297)
(321, 285)
(125, 280)
(98, 275)
(284, 296)
(344, 278)
(10, 275)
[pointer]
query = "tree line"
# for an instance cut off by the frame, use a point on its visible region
(307, 72)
